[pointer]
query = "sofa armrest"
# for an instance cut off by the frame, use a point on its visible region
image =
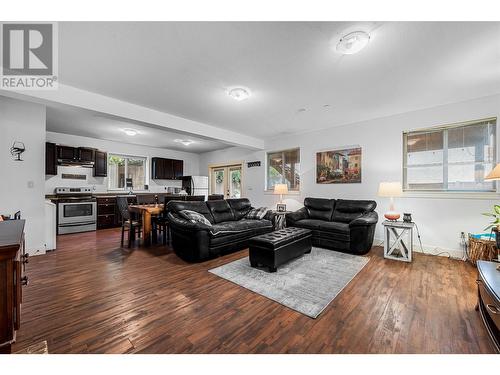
(180, 222)
(300, 214)
(368, 218)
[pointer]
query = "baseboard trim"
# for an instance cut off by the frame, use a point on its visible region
(429, 249)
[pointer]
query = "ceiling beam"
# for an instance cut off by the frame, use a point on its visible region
(99, 103)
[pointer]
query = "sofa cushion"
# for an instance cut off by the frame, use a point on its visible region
(319, 208)
(200, 207)
(240, 207)
(309, 223)
(256, 213)
(234, 231)
(220, 210)
(334, 226)
(348, 210)
(194, 217)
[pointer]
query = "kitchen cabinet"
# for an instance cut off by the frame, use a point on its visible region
(86, 155)
(108, 214)
(67, 153)
(101, 164)
(50, 159)
(166, 169)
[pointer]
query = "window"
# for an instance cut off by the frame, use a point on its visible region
(283, 167)
(121, 168)
(450, 158)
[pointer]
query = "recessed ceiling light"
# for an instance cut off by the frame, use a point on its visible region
(185, 142)
(130, 132)
(353, 42)
(239, 93)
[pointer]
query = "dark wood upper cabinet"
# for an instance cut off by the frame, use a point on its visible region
(50, 159)
(178, 169)
(101, 164)
(86, 155)
(166, 169)
(67, 153)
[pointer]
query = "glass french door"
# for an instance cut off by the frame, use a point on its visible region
(226, 180)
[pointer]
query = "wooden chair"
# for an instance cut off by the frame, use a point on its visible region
(127, 223)
(216, 197)
(161, 222)
(146, 199)
(195, 198)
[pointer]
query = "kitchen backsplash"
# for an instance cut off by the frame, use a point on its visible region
(100, 184)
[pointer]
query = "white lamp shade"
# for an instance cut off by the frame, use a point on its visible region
(281, 189)
(494, 174)
(390, 189)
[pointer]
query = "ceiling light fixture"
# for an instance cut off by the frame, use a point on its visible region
(239, 93)
(353, 42)
(185, 142)
(130, 132)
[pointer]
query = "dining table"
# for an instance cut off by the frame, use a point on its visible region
(146, 211)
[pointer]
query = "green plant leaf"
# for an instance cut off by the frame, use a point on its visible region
(496, 207)
(489, 214)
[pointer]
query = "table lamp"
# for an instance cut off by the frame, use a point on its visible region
(391, 190)
(281, 189)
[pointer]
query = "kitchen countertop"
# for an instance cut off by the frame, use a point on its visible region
(110, 195)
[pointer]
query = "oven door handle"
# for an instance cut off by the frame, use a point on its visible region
(77, 224)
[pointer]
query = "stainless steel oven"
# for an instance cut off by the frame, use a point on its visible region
(76, 214)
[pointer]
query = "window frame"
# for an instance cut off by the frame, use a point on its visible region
(127, 157)
(446, 192)
(282, 151)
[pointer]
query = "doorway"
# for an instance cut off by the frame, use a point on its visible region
(226, 180)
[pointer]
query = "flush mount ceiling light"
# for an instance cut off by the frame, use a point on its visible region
(239, 93)
(353, 42)
(130, 132)
(185, 142)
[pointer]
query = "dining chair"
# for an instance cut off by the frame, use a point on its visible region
(127, 223)
(146, 199)
(161, 221)
(216, 197)
(195, 198)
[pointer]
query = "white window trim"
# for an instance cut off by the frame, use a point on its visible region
(271, 191)
(485, 195)
(146, 174)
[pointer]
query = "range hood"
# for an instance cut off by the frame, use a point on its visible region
(75, 163)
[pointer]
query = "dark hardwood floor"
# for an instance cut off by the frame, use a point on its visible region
(91, 296)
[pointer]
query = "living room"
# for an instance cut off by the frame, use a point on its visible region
(251, 187)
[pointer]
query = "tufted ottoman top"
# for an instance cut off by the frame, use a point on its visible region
(279, 238)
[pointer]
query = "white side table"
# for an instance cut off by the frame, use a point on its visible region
(280, 220)
(398, 241)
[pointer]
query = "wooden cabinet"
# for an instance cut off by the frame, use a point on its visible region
(86, 155)
(178, 166)
(166, 169)
(50, 159)
(101, 164)
(488, 283)
(67, 153)
(107, 213)
(12, 258)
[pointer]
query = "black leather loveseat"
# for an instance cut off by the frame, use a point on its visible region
(338, 224)
(230, 230)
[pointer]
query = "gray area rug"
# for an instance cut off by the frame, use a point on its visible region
(307, 284)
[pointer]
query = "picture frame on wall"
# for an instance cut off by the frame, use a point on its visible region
(339, 166)
(281, 207)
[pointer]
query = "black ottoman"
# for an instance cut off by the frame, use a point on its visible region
(276, 248)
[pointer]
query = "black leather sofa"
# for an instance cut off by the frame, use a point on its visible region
(338, 224)
(230, 231)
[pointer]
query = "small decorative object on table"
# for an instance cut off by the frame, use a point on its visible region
(396, 247)
(281, 207)
(391, 190)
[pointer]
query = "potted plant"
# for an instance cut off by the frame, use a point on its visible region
(495, 224)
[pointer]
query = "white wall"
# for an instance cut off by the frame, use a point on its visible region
(440, 220)
(191, 163)
(25, 122)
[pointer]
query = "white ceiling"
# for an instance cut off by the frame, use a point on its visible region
(185, 68)
(67, 120)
